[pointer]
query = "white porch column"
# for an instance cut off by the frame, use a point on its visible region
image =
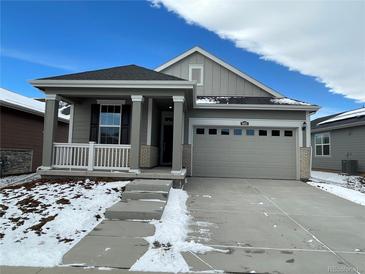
(49, 130)
(177, 134)
(71, 123)
(136, 133)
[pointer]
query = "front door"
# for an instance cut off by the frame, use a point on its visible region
(166, 138)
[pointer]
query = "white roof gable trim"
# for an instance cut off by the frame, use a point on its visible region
(23, 103)
(223, 64)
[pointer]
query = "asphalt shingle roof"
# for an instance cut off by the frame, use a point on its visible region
(129, 72)
(315, 124)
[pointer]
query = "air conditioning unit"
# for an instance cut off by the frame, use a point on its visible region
(349, 167)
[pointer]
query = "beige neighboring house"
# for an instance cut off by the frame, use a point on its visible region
(195, 115)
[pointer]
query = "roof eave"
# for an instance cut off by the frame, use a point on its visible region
(331, 127)
(114, 83)
(31, 111)
(257, 107)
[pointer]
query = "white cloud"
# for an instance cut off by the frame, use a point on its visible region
(43, 59)
(324, 39)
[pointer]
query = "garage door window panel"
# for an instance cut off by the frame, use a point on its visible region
(225, 131)
(322, 145)
(288, 133)
(275, 132)
(200, 131)
(212, 131)
(262, 132)
(250, 132)
(237, 131)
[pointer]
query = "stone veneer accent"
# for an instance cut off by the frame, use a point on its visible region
(305, 162)
(148, 156)
(187, 158)
(16, 161)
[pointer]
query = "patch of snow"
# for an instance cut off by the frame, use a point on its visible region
(352, 182)
(206, 101)
(207, 196)
(16, 99)
(42, 223)
(346, 115)
(288, 101)
(169, 240)
(152, 200)
(10, 180)
(348, 194)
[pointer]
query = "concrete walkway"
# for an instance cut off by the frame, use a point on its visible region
(274, 226)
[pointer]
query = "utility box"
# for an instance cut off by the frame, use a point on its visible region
(349, 167)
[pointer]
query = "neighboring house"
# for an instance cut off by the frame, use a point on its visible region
(194, 115)
(339, 137)
(21, 138)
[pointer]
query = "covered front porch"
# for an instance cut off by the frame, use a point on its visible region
(145, 139)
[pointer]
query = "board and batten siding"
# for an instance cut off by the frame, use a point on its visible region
(347, 143)
(218, 81)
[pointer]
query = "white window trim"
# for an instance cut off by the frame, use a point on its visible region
(120, 120)
(197, 66)
(329, 143)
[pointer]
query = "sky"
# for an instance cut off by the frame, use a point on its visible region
(307, 56)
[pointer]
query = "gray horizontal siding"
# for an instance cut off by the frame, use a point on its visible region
(81, 121)
(217, 79)
(348, 143)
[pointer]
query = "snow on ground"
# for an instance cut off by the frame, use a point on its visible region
(169, 240)
(206, 101)
(351, 188)
(41, 221)
(9, 180)
(349, 194)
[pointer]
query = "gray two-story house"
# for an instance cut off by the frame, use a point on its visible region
(193, 116)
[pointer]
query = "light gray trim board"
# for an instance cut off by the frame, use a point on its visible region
(177, 134)
(220, 62)
(71, 124)
(150, 84)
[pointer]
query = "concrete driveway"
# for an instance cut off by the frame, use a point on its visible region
(274, 226)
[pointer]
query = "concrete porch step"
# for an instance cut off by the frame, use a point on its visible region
(136, 210)
(149, 185)
(138, 195)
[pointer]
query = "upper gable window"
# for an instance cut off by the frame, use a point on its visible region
(196, 74)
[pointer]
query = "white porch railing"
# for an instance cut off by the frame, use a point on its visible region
(91, 156)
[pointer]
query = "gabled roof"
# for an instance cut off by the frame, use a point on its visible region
(339, 120)
(223, 64)
(128, 73)
(16, 101)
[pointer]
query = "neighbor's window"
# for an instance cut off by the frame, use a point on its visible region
(196, 74)
(237, 131)
(109, 126)
(250, 132)
(225, 131)
(322, 144)
(200, 131)
(262, 132)
(212, 131)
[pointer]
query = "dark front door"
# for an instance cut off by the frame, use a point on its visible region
(167, 144)
(166, 137)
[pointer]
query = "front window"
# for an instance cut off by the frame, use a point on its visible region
(322, 144)
(109, 126)
(196, 73)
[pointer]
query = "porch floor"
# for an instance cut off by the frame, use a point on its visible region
(147, 173)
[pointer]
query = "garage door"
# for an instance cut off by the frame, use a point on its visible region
(244, 152)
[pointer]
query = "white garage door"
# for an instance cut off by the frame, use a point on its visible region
(244, 152)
